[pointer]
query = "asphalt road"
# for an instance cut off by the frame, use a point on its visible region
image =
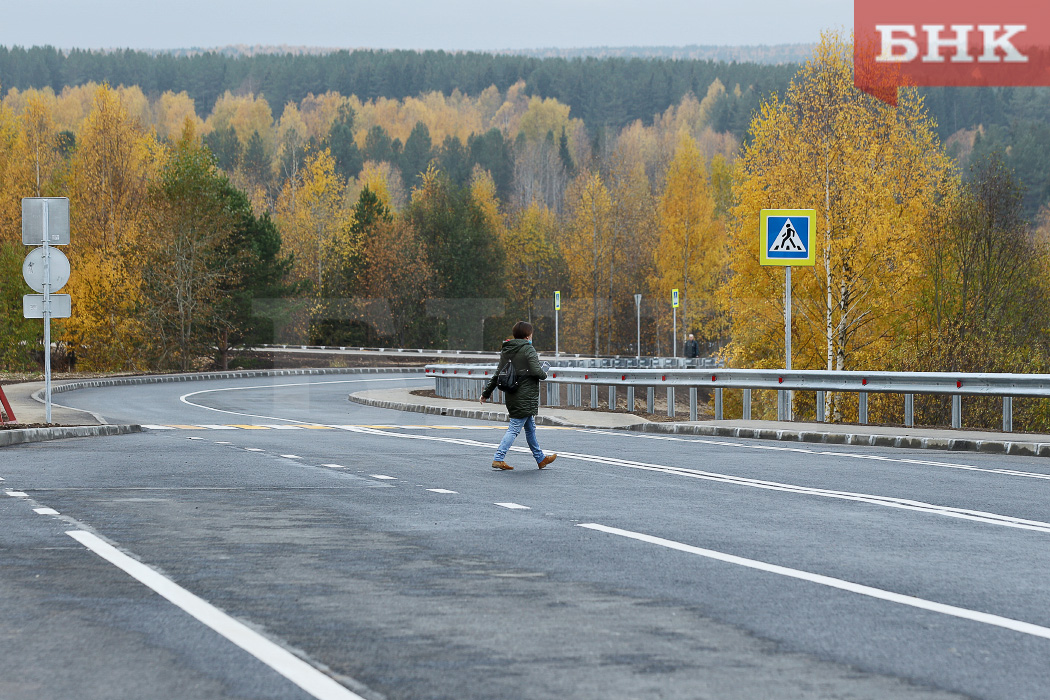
(378, 549)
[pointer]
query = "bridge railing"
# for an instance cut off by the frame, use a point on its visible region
(468, 381)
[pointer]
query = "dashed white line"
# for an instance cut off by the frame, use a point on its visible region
(253, 449)
(223, 442)
(921, 603)
(45, 511)
(195, 438)
(335, 466)
(284, 662)
(382, 476)
(18, 494)
(441, 491)
(291, 456)
(513, 506)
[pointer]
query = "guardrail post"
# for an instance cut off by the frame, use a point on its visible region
(577, 394)
(909, 410)
(1008, 414)
(692, 403)
(718, 404)
(650, 399)
(594, 396)
(781, 413)
(747, 405)
(820, 407)
(957, 411)
(670, 402)
(630, 399)
(612, 397)
(862, 407)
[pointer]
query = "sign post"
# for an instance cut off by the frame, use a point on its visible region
(674, 315)
(45, 222)
(784, 239)
(557, 308)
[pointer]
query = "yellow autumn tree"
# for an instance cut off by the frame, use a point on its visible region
(586, 247)
(310, 214)
(109, 184)
(690, 254)
(872, 173)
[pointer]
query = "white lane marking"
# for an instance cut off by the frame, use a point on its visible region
(18, 494)
(514, 506)
(159, 427)
(382, 476)
(195, 438)
(185, 397)
(210, 426)
(441, 491)
(223, 442)
(45, 511)
(291, 456)
(1, 478)
(871, 499)
(921, 603)
(253, 449)
(335, 466)
(284, 662)
(284, 427)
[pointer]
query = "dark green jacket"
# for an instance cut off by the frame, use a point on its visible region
(525, 401)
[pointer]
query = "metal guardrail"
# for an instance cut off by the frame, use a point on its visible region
(566, 359)
(467, 382)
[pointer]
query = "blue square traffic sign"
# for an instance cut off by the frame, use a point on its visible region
(785, 237)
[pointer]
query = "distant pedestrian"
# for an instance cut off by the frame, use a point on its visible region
(523, 403)
(692, 348)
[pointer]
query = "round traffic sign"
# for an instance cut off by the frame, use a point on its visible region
(33, 269)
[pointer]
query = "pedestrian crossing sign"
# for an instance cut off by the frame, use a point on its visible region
(785, 237)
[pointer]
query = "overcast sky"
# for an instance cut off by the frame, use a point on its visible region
(417, 24)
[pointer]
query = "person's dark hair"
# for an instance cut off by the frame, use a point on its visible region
(521, 329)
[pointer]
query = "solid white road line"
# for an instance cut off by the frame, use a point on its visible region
(921, 603)
(870, 499)
(514, 506)
(284, 662)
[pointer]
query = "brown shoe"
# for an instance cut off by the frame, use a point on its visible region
(502, 465)
(547, 460)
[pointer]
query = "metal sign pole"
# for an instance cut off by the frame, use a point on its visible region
(47, 320)
(674, 343)
(787, 336)
(557, 348)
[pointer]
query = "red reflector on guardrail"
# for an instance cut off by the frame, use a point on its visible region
(780, 380)
(623, 378)
(958, 384)
(864, 382)
(713, 378)
(663, 378)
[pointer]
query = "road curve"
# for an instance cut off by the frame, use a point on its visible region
(268, 538)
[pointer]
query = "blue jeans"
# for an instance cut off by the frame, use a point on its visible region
(516, 424)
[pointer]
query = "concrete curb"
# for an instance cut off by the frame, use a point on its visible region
(19, 437)
(475, 413)
(1009, 447)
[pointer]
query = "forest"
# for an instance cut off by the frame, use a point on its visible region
(431, 199)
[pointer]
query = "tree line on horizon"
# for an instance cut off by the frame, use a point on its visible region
(442, 218)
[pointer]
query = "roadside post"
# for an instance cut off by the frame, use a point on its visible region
(45, 223)
(674, 322)
(638, 316)
(557, 308)
(785, 240)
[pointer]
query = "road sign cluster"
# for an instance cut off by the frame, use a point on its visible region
(45, 223)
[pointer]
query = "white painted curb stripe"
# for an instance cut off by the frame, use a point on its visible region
(964, 613)
(281, 660)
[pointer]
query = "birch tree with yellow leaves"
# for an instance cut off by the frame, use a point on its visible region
(872, 173)
(588, 245)
(690, 254)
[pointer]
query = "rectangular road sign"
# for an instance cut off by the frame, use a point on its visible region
(33, 306)
(557, 301)
(57, 220)
(674, 298)
(786, 237)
